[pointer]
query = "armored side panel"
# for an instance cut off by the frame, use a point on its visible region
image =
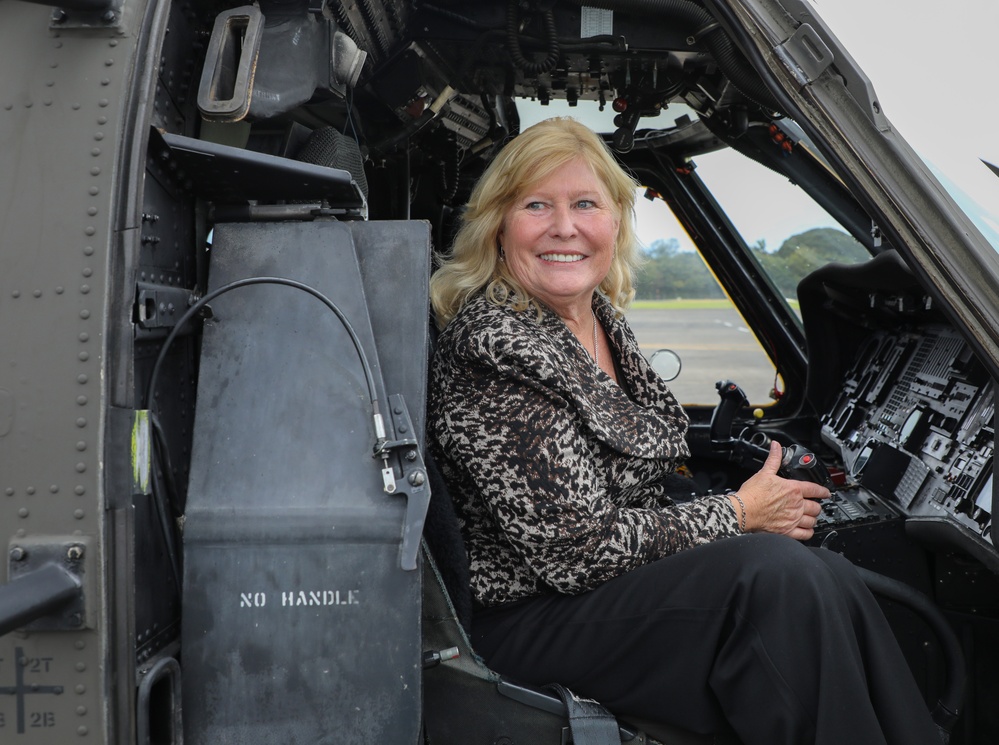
(67, 102)
(300, 625)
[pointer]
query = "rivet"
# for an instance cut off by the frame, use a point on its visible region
(102, 120)
(81, 379)
(95, 152)
(9, 491)
(75, 107)
(95, 171)
(54, 489)
(103, 103)
(99, 136)
(82, 730)
(91, 230)
(81, 422)
(93, 191)
(37, 293)
(88, 251)
(29, 104)
(80, 688)
(16, 294)
(83, 356)
(78, 514)
(81, 446)
(81, 400)
(46, 102)
(30, 490)
(80, 644)
(23, 512)
(79, 490)
(108, 62)
(81, 467)
(8, 106)
(113, 43)
(84, 337)
(81, 710)
(84, 314)
(60, 290)
(87, 271)
(92, 211)
(105, 82)
(50, 84)
(84, 289)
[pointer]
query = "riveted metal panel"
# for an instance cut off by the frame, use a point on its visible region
(62, 113)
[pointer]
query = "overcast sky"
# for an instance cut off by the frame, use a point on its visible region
(935, 70)
(937, 79)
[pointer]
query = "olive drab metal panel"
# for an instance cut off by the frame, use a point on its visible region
(300, 623)
(64, 103)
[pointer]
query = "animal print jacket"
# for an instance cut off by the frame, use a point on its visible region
(555, 472)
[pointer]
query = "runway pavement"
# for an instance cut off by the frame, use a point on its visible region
(713, 345)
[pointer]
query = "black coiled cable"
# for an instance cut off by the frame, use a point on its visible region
(513, 42)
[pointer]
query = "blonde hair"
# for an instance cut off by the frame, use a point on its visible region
(474, 265)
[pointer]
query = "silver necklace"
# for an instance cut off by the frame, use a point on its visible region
(596, 353)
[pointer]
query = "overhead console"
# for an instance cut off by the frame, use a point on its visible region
(903, 400)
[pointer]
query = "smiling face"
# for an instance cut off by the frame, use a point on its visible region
(558, 238)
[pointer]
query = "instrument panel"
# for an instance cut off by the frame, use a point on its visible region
(913, 423)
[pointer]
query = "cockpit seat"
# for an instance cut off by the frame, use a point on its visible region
(838, 302)
(466, 702)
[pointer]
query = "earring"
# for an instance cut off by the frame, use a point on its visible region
(502, 256)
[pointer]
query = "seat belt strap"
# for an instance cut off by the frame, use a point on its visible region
(589, 722)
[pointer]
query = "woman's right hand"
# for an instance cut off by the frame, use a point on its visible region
(778, 505)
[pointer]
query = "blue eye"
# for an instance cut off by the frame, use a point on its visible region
(586, 204)
(535, 205)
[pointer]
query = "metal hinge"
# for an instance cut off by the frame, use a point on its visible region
(805, 54)
(86, 14)
(160, 306)
(413, 482)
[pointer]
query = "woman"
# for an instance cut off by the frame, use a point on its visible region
(557, 439)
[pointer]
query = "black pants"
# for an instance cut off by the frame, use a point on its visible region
(783, 641)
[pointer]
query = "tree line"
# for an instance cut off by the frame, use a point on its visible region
(670, 273)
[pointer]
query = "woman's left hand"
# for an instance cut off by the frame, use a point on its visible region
(778, 505)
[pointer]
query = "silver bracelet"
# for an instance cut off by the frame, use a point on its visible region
(742, 507)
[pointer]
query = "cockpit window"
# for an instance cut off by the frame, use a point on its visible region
(681, 305)
(700, 324)
(789, 234)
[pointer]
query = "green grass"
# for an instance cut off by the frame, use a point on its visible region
(689, 304)
(682, 304)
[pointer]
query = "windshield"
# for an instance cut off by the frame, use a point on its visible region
(985, 220)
